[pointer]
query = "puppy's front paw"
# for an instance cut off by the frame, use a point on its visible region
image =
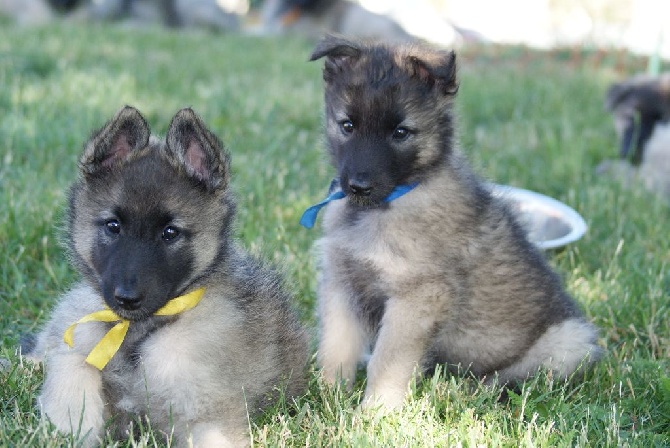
(387, 398)
(336, 373)
(72, 398)
(208, 435)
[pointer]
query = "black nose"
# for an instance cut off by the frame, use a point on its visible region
(360, 187)
(127, 299)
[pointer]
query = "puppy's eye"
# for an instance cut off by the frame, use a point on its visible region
(170, 233)
(347, 126)
(400, 133)
(113, 226)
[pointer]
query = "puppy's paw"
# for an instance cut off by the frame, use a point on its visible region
(334, 378)
(207, 435)
(386, 399)
(72, 397)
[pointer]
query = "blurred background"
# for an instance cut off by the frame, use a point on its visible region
(636, 25)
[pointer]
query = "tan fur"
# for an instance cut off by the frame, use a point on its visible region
(443, 274)
(202, 374)
(655, 168)
(653, 172)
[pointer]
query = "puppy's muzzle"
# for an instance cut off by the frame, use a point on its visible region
(360, 186)
(127, 299)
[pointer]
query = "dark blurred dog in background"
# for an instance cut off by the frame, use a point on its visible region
(638, 104)
(641, 109)
(172, 13)
(314, 18)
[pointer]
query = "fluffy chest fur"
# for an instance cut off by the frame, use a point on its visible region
(151, 374)
(420, 232)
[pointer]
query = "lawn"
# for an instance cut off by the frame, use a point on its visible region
(530, 119)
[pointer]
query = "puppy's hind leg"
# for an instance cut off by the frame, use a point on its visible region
(563, 348)
(342, 337)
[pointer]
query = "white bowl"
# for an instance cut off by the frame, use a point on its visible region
(549, 222)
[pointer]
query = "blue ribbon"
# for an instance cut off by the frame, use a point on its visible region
(309, 216)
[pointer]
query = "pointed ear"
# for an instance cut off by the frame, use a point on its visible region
(436, 68)
(340, 53)
(128, 131)
(198, 150)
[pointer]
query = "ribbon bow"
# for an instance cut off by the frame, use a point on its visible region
(110, 343)
(309, 216)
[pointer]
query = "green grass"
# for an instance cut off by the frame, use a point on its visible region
(529, 119)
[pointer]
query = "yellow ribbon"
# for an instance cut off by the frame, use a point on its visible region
(107, 347)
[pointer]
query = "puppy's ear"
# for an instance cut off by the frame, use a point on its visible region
(128, 131)
(198, 150)
(615, 95)
(340, 53)
(436, 68)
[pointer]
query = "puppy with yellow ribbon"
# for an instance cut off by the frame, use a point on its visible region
(173, 325)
